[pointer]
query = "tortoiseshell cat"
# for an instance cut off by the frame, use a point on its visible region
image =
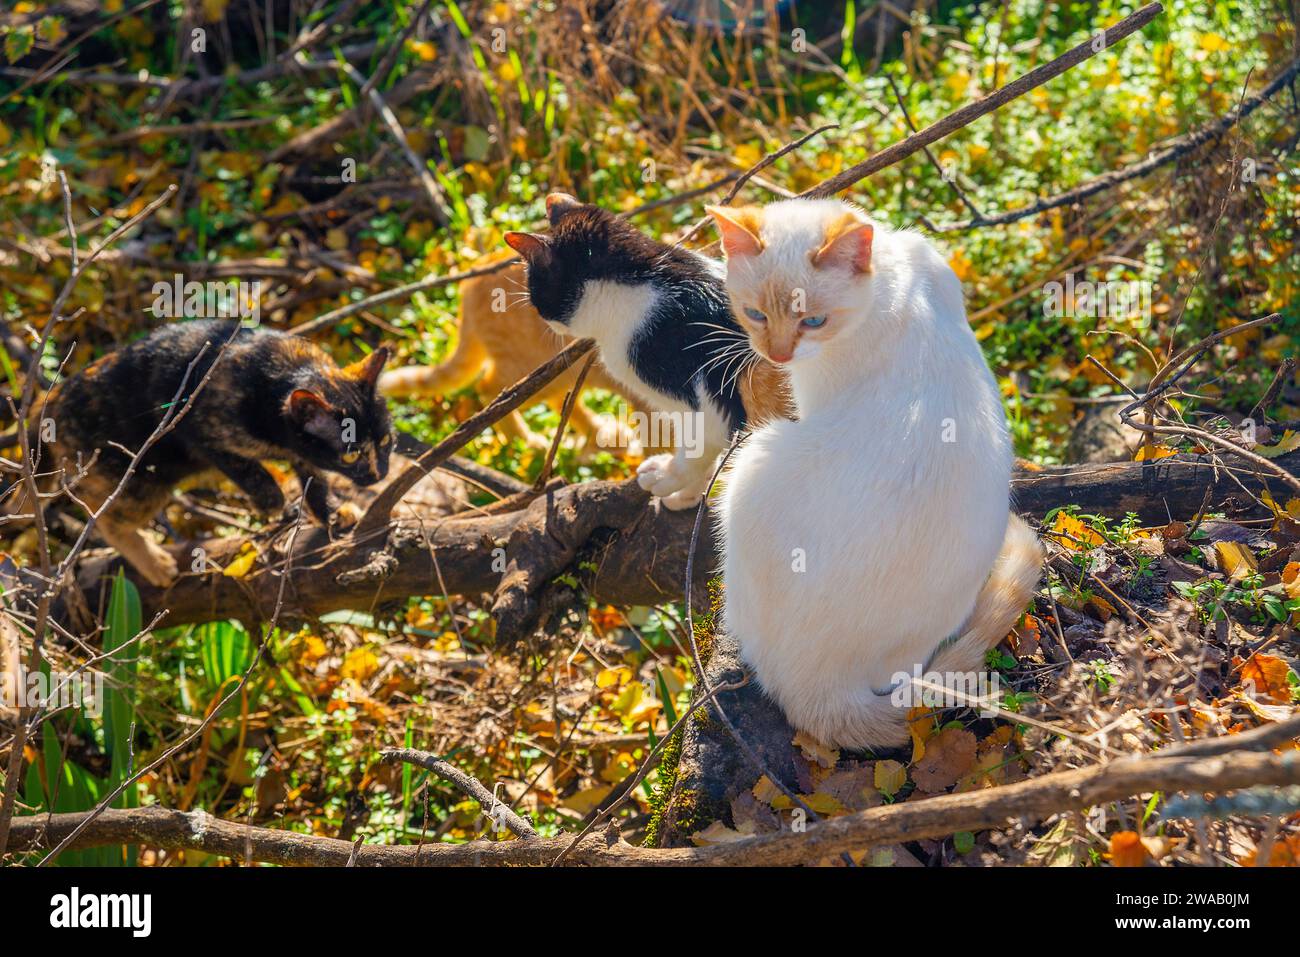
(270, 396)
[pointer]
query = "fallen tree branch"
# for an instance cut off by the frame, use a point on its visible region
(935, 817)
(638, 548)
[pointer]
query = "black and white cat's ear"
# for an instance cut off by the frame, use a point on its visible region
(366, 371)
(739, 229)
(846, 243)
(535, 249)
(311, 413)
(559, 205)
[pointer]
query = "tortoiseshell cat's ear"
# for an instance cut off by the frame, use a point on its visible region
(559, 205)
(739, 229)
(313, 414)
(366, 371)
(535, 249)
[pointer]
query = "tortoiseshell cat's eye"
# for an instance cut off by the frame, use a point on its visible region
(351, 458)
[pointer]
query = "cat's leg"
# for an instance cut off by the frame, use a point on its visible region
(514, 427)
(122, 525)
(604, 433)
(155, 564)
(316, 494)
(682, 478)
(252, 479)
(322, 504)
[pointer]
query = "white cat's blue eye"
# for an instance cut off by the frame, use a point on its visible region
(813, 322)
(755, 315)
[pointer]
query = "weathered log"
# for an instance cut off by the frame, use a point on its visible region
(637, 547)
(1034, 800)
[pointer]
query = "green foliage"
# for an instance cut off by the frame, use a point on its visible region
(60, 785)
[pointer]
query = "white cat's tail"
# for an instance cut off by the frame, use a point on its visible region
(462, 368)
(1001, 601)
(882, 718)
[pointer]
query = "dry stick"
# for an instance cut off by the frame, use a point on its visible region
(401, 293)
(442, 212)
(973, 111)
(389, 59)
(1174, 149)
(565, 411)
(753, 171)
(1166, 377)
(1033, 800)
(1263, 738)
(100, 808)
(1259, 412)
(469, 785)
(934, 160)
(45, 72)
(377, 514)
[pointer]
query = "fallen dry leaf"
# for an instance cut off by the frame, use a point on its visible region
(947, 757)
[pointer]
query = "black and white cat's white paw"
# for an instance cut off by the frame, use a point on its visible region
(659, 475)
(678, 488)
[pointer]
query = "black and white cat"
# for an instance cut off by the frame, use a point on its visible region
(662, 320)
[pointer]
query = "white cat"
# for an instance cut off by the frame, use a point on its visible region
(874, 535)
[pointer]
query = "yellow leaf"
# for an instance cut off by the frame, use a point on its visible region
(425, 50)
(214, 10)
(1289, 442)
(359, 664)
(336, 239)
(1291, 579)
(613, 677)
(824, 804)
(1266, 677)
(584, 802)
(890, 777)
(1236, 561)
(242, 563)
(717, 833)
(765, 791)
(1127, 850)
(1074, 534)
(815, 751)
(1157, 452)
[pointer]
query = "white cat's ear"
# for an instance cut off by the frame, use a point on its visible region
(739, 229)
(847, 243)
(535, 249)
(558, 205)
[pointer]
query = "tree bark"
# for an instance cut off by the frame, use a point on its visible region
(637, 547)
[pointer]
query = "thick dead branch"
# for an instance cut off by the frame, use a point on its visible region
(637, 547)
(912, 820)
